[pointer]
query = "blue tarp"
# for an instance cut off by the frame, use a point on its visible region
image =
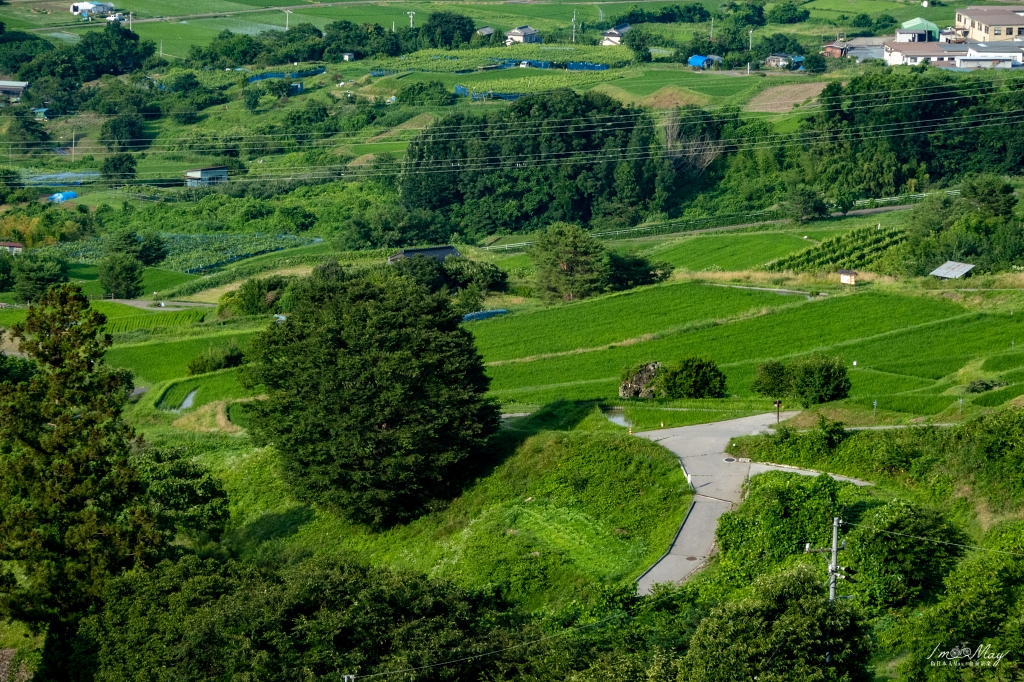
(698, 61)
(511, 96)
(265, 76)
(462, 91)
(60, 197)
(585, 66)
(59, 179)
(483, 314)
(307, 74)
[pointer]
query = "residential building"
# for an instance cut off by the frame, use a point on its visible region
(522, 34)
(438, 253)
(92, 8)
(486, 31)
(615, 35)
(13, 248)
(938, 54)
(998, 55)
(203, 177)
(985, 24)
(783, 61)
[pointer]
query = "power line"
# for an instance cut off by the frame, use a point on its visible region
(933, 540)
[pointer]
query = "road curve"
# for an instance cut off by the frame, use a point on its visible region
(717, 481)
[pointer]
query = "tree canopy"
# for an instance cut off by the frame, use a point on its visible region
(375, 395)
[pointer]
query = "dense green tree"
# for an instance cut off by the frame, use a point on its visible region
(691, 377)
(787, 13)
(429, 93)
(118, 168)
(639, 42)
(805, 203)
(630, 270)
(322, 618)
(74, 509)
(262, 295)
(120, 275)
(152, 249)
(787, 630)
(448, 29)
(251, 98)
(772, 379)
(35, 272)
(569, 263)
(815, 63)
(819, 378)
(375, 395)
(123, 132)
(895, 561)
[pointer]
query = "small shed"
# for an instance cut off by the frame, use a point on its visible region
(203, 177)
(847, 277)
(836, 50)
(951, 270)
(438, 253)
(919, 24)
(348, 56)
(13, 248)
(700, 62)
(485, 31)
(13, 88)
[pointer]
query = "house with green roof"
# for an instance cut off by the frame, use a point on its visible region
(919, 24)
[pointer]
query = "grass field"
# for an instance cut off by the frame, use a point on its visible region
(730, 252)
(573, 504)
(220, 385)
(153, 362)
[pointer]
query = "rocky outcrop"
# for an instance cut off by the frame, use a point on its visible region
(639, 384)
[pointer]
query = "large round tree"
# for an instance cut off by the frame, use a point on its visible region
(375, 395)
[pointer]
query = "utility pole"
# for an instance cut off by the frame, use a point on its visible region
(392, 27)
(751, 49)
(72, 145)
(574, 26)
(411, 15)
(286, 13)
(129, 21)
(161, 48)
(778, 403)
(835, 571)
(712, 28)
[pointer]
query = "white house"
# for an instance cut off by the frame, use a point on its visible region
(202, 177)
(92, 8)
(996, 55)
(935, 53)
(615, 35)
(522, 34)
(13, 248)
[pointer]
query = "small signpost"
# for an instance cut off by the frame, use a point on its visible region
(778, 410)
(874, 408)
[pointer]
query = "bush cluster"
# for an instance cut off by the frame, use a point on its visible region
(814, 379)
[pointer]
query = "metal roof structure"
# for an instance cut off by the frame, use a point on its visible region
(438, 253)
(951, 270)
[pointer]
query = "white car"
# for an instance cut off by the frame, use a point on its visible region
(524, 65)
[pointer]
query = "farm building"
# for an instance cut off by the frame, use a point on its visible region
(92, 8)
(836, 49)
(907, 36)
(990, 23)
(13, 248)
(522, 34)
(13, 89)
(847, 277)
(783, 61)
(348, 56)
(203, 177)
(438, 253)
(486, 31)
(951, 270)
(930, 30)
(938, 54)
(699, 62)
(614, 36)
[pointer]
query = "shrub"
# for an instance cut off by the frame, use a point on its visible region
(120, 275)
(692, 377)
(772, 379)
(818, 379)
(217, 358)
(35, 272)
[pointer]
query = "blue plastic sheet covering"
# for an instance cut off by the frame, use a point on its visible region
(462, 91)
(537, 64)
(265, 76)
(483, 314)
(510, 96)
(307, 74)
(585, 66)
(698, 61)
(377, 73)
(61, 197)
(62, 179)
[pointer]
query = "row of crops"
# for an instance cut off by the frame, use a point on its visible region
(188, 252)
(130, 323)
(851, 250)
(453, 61)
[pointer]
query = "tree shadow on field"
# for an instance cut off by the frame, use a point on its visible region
(562, 415)
(267, 528)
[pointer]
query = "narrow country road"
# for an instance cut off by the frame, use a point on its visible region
(717, 480)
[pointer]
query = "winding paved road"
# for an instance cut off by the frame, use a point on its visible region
(717, 480)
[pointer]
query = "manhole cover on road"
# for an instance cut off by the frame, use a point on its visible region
(730, 459)
(691, 558)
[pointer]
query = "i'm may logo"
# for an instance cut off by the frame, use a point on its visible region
(965, 656)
